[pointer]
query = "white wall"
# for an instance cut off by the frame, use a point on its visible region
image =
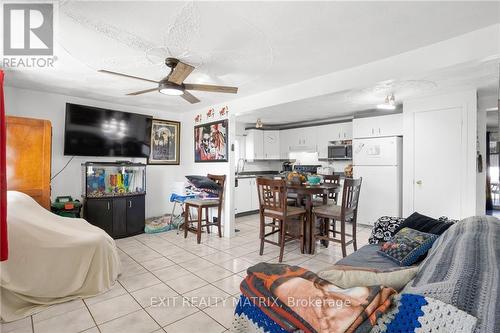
(50, 106)
(466, 101)
(189, 167)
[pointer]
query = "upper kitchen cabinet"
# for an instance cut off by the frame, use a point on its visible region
(331, 132)
(262, 145)
(271, 145)
(390, 125)
(254, 145)
(304, 138)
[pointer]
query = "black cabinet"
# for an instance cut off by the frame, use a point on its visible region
(119, 217)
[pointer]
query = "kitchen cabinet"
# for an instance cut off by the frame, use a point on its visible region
(254, 145)
(302, 139)
(286, 137)
(390, 125)
(119, 216)
(271, 145)
(246, 197)
(332, 132)
(262, 145)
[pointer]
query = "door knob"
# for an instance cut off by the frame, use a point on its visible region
(418, 182)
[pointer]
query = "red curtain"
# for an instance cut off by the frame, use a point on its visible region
(4, 249)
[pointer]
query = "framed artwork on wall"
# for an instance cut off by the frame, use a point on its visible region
(165, 142)
(211, 142)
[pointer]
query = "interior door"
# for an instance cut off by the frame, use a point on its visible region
(438, 162)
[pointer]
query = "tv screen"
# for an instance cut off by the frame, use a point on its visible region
(94, 131)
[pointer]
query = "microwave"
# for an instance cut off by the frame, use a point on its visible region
(340, 152)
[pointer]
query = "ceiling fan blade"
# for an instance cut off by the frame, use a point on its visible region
(142, 92)
(126, 75)
(210, 88)
(190, 98)
(180, 73)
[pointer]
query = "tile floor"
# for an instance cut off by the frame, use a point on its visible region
(172, 284)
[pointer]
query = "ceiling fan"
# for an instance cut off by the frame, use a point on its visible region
(173, 84)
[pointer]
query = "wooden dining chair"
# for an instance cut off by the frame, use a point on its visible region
(332, 195)
(346, 212)
(204, 205)
(273, 205)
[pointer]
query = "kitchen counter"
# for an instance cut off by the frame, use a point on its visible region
(254, 174)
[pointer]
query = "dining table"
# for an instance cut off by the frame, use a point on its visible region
(307, 191)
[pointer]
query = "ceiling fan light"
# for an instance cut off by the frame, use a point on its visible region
(170, 89)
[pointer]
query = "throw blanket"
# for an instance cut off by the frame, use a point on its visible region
(52, 259)
(416, 313)
(297, 299)
(462, 269)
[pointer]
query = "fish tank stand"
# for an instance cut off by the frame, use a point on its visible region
(114, 196)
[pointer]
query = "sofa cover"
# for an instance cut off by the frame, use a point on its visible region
(52, 259)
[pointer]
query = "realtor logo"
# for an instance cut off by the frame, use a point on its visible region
(28, 29)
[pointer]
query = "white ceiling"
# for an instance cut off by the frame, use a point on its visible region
(483, 76)
(254, 45)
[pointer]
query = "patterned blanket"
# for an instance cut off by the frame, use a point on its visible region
(295, 299)
(462, 269)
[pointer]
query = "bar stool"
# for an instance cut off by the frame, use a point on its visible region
(347, 211)
(273, 204)
(204, 205)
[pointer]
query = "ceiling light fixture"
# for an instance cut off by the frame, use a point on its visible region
(171, 89)
(389, 103)
(259, 123)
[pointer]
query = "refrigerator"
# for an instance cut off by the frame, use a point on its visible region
(379, 162)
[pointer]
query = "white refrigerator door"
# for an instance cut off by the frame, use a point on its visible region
(377, 151)
(380, 192)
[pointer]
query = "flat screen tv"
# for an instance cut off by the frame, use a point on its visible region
(91, 131)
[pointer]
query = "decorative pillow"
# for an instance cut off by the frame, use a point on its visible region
(424, 223)
(384, 229)
(407, 246)
(350, 277)
(204, 183)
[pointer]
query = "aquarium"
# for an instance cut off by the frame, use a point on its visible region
(107, 179)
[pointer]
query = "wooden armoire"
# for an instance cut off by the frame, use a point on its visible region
(29, 143)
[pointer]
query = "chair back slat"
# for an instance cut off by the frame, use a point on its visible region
(332, 179)
(272, 194)
(350, 194)
(221, 180)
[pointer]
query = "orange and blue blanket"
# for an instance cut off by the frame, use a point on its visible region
(283, 298)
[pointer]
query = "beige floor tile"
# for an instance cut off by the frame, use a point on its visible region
(113, 308)
(197, 323)
(315, 265)
(186, 283)
(196, 264)
(223, 312)
(206, 296)
(230, 285)
(181, 257)
(135, 322)
(70, 322)
(156, 264)
(19, 326)
(92, 330)
(58, 309)
(172, 310)
(116, 290)
(170, 273)
(235, 265)
(213, 273)
(151, 295)
(136, 282)
(218, 257)
(132, 268)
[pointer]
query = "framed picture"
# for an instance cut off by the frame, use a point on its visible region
(210, 142)
(165, 142)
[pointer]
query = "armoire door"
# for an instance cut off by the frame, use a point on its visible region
(439, 162)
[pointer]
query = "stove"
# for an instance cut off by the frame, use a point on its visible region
(305, 168)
